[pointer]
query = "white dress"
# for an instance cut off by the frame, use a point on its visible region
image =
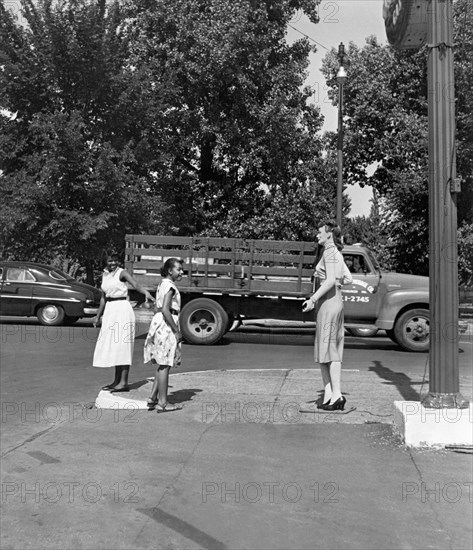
(161, 343)
(117, 334)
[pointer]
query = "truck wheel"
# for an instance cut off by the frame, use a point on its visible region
(363, 332)
(412, 330)
(203, 321)
(50, 315)
(231, 320)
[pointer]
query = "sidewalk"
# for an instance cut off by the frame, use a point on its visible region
(239, 467)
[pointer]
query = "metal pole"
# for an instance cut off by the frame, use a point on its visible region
(444, 387)
(340, 155)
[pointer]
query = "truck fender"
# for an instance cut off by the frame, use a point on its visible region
(396, 301)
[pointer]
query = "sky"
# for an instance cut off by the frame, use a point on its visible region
(340, 21)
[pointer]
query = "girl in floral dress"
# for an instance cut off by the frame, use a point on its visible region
(163, 343)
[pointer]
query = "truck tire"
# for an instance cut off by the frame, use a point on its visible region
(362, 332)
(231, 320)
(203, 321)
(50, 315)
(412, 330)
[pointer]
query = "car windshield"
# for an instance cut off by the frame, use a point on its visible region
(60, 275)
(373, 260)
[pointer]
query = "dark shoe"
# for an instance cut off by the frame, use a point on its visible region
(338, 405)
(118, 390)
(108, 387)
(167, 407)
(323, 405)
(151, 403)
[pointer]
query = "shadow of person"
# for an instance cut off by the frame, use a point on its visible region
(181, 396)
(402, 382)
(138, 384)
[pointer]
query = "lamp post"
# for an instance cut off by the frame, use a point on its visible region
(341, 79)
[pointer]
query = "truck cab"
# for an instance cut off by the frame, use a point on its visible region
(395, 302)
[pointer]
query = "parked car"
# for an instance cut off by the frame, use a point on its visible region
(54, 297)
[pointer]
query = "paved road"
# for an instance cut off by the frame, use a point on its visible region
(95, 479)
(45, 370)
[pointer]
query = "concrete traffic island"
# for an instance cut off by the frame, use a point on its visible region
(283, 396)
(135, 399)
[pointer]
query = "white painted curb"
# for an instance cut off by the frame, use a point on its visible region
(421, 427)
(107, 400)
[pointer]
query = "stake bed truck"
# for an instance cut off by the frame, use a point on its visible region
(225, 279)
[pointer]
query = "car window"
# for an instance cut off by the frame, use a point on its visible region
(356, 263)
(373, 259)
(19, 275)
(59, 275)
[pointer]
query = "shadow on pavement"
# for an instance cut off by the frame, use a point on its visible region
(181, 396)
(402, 382)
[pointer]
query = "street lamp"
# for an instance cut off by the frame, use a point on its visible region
(341, 79)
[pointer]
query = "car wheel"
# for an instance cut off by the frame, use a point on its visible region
(363, 332)
(50, 315)
(203, 321)
(412, 330)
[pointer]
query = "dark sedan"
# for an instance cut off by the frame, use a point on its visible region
(54, 297)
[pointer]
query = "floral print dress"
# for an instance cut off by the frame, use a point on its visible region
(161, 345)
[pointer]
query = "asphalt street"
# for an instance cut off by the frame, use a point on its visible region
(238, 467)
(45, 371)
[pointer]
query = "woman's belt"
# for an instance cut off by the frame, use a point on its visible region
(173, 311)
(108, 299)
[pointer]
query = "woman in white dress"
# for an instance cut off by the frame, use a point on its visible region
(163, 343)
(114, 346)
(330, 331)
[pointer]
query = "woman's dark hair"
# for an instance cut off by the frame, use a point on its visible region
(331, 225)
(168, 265)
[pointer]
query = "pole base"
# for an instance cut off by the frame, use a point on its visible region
(419, 426)
(445, 401)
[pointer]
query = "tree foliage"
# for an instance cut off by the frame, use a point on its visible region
(463, 55)
(176, 116)
(69, 184)
(235, 122)
(387, 127)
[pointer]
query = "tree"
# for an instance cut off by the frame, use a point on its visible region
(463, 54)
(69, 183)
(182, 116)
(386, 126)
(238, 135)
